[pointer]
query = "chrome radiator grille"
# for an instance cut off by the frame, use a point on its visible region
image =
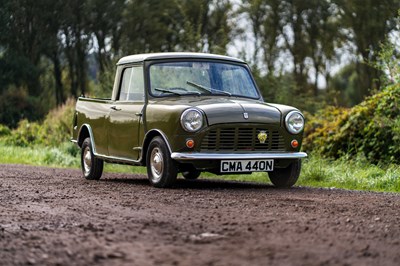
(242, 139)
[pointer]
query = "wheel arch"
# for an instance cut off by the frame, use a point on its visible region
(86, 132)
(147, 139)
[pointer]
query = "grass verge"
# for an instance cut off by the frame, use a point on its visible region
(346, 173)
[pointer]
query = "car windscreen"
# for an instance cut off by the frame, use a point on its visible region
(182, 78)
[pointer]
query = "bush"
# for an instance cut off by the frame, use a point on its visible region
(25, 134)
(53, 131)
(16, 105)
(4, 131)
(370, 129)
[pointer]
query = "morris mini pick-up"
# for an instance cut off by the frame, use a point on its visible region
(188, 113)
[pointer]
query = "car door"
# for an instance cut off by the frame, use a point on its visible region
(125, 118)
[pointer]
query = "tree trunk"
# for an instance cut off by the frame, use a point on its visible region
(59, 89)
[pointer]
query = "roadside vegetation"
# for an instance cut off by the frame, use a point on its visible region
(345, 173)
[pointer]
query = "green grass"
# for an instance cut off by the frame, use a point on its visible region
(65, 156)
(350, 173)
(346, 173)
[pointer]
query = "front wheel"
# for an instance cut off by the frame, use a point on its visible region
(161, 169)
(92, 167)
(191, 175)
(286, 177)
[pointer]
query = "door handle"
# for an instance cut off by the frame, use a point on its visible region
(115, 108)
(138, 114)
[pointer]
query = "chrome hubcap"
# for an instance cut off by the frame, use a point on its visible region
(87, 161)
(156, 164)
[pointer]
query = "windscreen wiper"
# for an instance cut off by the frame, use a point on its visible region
(211, 91)
(167, 91)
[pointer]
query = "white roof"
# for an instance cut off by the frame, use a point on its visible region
(154, 56)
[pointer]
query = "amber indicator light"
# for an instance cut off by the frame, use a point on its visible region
(294, 143)
(190, 143)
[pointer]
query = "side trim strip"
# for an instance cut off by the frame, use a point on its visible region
(180, 156)
(117, 159)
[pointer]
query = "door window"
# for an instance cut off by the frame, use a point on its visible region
(132, 85)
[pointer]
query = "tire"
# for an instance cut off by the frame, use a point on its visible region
(191, 175)
(161, 169)
(286, 177)
(92, 167)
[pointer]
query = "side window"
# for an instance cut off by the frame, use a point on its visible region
(126, 79)
(132, 85)
(136, 92)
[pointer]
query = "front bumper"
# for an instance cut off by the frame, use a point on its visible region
(191, 156)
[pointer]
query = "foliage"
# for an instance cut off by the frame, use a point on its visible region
(370, 129)
(16, 104)
(53, 131)
(104, 87)
(305, 38)
(388, 62)
(4, 131)
(345, 85)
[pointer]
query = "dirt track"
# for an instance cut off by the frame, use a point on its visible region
(55, 217)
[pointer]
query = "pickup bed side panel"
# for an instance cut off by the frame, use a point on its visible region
(94, 112)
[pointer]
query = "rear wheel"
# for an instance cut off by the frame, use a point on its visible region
(286, 177)
(161, 169)
(92, 167)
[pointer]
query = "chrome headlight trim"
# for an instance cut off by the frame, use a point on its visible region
(192, 120)
(294, 122)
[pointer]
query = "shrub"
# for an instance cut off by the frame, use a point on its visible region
(4, 131)
(370, 129)
(16, 105)
(53, 131)
(56, 128)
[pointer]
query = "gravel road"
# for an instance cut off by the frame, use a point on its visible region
(55, 217)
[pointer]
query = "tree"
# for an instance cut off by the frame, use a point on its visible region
(22, 36)
(76, 37)
(368, 22)
(105, 23)
(202, 26)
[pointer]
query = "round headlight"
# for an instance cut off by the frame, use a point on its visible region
(191, 120)
(294, 122)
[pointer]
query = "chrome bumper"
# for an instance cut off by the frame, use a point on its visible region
(183, 156)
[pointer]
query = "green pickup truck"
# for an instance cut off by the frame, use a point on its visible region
(188, 113)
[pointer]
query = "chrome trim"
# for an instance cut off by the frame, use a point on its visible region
(184, 113)
(287, 120)
(118, 159)
(162, 135)
(90, 136)
(183, 156)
